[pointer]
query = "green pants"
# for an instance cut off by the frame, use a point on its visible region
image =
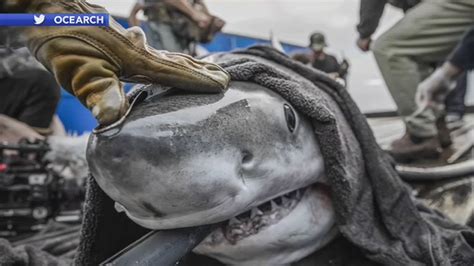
(161, 37)
(407, 52)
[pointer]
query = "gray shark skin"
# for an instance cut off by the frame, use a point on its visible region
(244, 156)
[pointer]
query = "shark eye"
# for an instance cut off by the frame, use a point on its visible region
(290, 117)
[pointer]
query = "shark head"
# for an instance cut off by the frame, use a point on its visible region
(244, 157)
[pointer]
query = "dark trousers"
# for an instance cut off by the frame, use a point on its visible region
(30, 96)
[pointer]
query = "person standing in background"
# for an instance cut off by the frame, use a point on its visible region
(176, 25)
(28, 93)
(409, 51)
(319, 59)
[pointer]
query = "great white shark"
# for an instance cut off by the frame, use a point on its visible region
(245, 157)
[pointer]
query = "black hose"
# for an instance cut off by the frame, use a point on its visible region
(164, 248)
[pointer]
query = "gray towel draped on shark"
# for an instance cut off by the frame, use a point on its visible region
(375, 211)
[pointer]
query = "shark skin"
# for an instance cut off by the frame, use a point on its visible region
(244, 156)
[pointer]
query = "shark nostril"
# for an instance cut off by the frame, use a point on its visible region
(246, 157)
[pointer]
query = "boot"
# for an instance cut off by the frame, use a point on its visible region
(410, 148)
(89, 62)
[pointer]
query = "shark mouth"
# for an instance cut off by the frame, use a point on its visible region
(260, 217)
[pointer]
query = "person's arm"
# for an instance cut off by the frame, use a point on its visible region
(335, 69)
(370, 13)
(463, 55)
(132, 19)
(17, 60)
(186, 8)
(344, 68)
(301, 57)
(9, 38)
(434, 89)
(204, 7)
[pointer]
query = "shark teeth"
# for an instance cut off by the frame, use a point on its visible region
(233, 221)
(298, 194)
(286, 201)
(255, 212)
(268, 213)
(274, 205)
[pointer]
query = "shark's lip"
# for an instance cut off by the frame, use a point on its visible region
(261, 217)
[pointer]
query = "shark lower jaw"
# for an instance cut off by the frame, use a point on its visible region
(294, 228)
(259, 218)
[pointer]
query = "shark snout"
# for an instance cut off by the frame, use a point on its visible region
(186, 160)
(167, 173)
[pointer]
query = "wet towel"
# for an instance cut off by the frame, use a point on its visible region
(375, 211)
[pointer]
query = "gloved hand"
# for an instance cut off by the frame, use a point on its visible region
(434, 89)
(90, 61)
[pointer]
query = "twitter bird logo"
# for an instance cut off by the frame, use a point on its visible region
(39, 19)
